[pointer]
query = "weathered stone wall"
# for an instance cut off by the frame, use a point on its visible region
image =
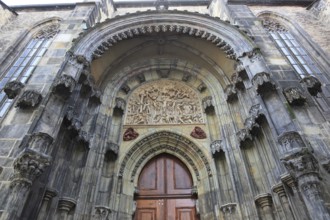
(5, 15)
(318, 28)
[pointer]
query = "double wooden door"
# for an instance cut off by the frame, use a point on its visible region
(164, 191)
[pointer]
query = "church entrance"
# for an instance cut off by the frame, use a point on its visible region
(165, 191)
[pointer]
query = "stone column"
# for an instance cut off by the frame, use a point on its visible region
(265, 202)
(280, 191)
(48, 196)
(65, 205)
(29, 165)
(228, 211)
(303, 167)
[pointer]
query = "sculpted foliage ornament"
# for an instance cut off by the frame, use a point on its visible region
(243, 136)
(13, 88)
(294, 96)
(217, 147)
(262, 83)
(171, 103)
(29, 99)
(198, 133)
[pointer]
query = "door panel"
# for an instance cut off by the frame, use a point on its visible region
(164, 188)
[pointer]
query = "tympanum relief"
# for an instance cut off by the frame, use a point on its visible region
(164, 102)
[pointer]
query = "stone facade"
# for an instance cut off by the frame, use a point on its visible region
(115, 89)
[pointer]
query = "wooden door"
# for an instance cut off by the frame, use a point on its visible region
(164, 191)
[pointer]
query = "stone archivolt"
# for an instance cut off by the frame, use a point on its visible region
(170, 103)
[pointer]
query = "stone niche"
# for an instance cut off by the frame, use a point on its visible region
(164, 102)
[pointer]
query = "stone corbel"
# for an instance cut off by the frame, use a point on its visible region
(243, 136)
(102, 212)
(312, 84)
(294, 96)
(262, 83)
(251, 125)
(217, 147)
(96, 96)
(289, 181)
(64, 86)
(114, 148)
(228, 209)
(13, 88)
(29, 165)
(231, 93)
(194, 192)
(29, 99)
(237, 80)
(65, 205)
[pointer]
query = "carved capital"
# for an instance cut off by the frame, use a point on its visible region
(29, 99)
(262, 83)
(120, 103)
(217, 147)
(28, 166)
(279, 189)
(66, 204)
(49, 194)
(64, 86)
(231, 93)
(301, 162)
(289, 180)
(102, 212)
(312, 84)
(39, 142)
(243, 135)
(228, 208)
(264, 200)
(291, 140)
(198, 133)
(294, 96)
(13, 88)
(207, 102)
(130, 134)
(83, 137)
(112, 147)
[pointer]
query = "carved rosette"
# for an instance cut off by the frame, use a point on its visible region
(13, 88)
(29, 99)
(130, 134)
(102, 212)
(262, 83)
(198, 133)
(64, 86)
(312, 84)
(243, 136)
(294, 96)
(207, 102)
(217, 147)
(290, 140)
(39, 142)
(112, 147)
(28, 166)
(231, 93)
(228, 209)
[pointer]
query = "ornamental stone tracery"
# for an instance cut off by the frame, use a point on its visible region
(164, 102)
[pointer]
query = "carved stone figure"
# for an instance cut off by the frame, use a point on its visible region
(243, 135)
(120, 103)
(198, 133)
(102, 212)
(231, 93)
(171, 103)
(228, 208)
(29, 99)
(13, 88)
(237, 81)
(130, 134)
(294, 96)
(216, 147)
(202, 87)
(64, 85)
(112, 147)
(207, 102)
